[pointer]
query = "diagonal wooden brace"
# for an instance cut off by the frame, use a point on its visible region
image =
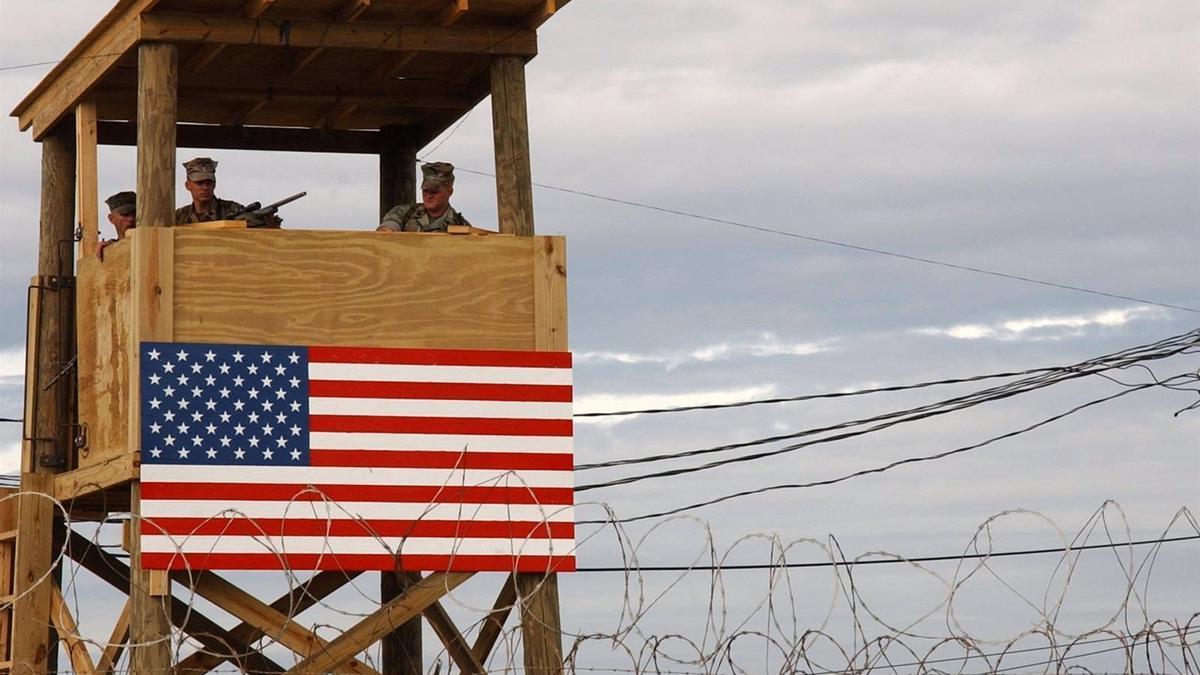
(493, 624)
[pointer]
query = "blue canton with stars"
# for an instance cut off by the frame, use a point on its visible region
(208, 404)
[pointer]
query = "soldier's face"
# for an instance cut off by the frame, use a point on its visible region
(436, 200)
(121, 222)
(200, 190)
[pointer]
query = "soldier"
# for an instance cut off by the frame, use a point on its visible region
(201, 183)
(434, 213)
(121, 209)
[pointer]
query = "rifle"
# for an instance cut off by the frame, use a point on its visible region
(257, 215)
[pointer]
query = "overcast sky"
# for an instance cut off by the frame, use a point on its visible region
(1057, 141)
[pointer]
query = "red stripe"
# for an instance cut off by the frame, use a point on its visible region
(481, 426)
(554, 393)
(318, 527)
(423, 494)
(440, 357)
(444, 459)
(357, 562)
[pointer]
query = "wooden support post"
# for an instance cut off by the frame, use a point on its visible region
(510, 132)
(157, 85)
(151, 272)
(397, 167)
(86, 176)
(46, 410)
(116, 643)
(64, 622)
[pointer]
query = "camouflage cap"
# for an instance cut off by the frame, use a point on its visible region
(123, 202)
(437, 174)
(201, 168)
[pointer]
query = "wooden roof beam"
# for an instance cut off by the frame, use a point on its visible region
(205, 55)
(448, 16)
(348, 13)
(335, 115)
(252, 138)
(452, 13)
(371, 37)
(542, 14)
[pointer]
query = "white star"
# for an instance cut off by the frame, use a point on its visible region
(267, 405)
(182, 355)
(268, 429)
(280, 370)
(253, 392)
(196, 367)
(224, 368)
(169, 416)
(154, 403)
(168, 367)
(294, 357)
(155, 452)
(155, 428)
(183, 403)
(196, 416)
(196, 391)
(295, 406)
(254, 441)
(252, 369)
(281, 418)
(254, 418)
(280, 394)
(183, 428)
(266, 357)
(239, 453)
(209, 381)
(168, 390)
(154, 379)
(225, 441)
(211, 428)
(237, 380)
(296, 455)
(224, 418)
(266, 381)
(153, 354)
(268, 454)
(239, 429)
(295, 382)
(237, 356)
(238, 405)
(196, 440)
(281, 441)
(212, 454)
(210, 404)
(169, 440)
(209, 355)
(224, 392)
(295, 430)
(182, 380)
(183, 452)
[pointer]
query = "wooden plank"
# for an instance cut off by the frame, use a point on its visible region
(352, 10)
(400, 651)
(160, 583)
(32, 572)
(452, 13)
(456, 646)
(368, 631)
(33, 311)
(239, 114)
(397, 168)
(373, 37)
(86, 177)
(204, 56)
(93, 478)
(292, 603)
(68, 632)
(257, 138)
(116, 643)
(274, 624)
(383, 289)
(335, 115)
(510, 131)
(542, 14)
(493, 624)
(8, 549)
(103, 318)
(550, 293)
(187, 618)
(157, 83)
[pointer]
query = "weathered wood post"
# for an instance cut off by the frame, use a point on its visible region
(46, 408)
(151, 284)
(540, 619)
(401, 649)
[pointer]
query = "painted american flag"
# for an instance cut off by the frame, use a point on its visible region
(271, 457)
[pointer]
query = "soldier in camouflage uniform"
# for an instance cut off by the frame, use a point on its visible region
(434, 213)
(122, 207)
(201, 183)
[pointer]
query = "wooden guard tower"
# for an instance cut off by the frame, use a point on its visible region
(380, 77)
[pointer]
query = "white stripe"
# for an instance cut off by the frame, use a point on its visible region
(194, 508)
(157, 543)
(353, 475)
(390, 372)
(337, 440)
(400, 407)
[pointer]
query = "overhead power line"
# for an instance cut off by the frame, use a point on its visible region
(854, 247)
